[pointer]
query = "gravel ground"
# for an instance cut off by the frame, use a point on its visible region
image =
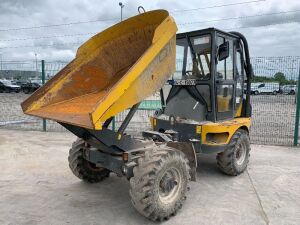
(273, 118)
(37, 187)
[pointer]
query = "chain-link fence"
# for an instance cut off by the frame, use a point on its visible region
(28, 76)
(273, 99)
(274, 91)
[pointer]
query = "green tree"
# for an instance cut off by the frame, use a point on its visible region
(279, 77)
(262, 79)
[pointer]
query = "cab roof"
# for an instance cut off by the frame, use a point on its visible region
(205, 31)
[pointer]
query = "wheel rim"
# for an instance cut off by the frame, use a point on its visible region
(240, 154)
(169, 185)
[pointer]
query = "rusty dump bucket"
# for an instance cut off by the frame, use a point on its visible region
(112, 71)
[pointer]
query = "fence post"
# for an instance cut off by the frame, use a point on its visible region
(43, 82)
(296, 131)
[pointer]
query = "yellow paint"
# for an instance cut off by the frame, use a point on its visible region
(132, 89)
(104, 78)
(198, 129)
(151, 121)
(154, 122)
(230, 126)
(217, 138)
(223, 103)
(239, 110)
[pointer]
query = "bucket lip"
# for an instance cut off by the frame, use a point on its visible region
(164, 14)
(155, 11)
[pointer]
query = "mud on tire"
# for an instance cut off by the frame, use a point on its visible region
(158, 187)
(82, 168)
(234, 160)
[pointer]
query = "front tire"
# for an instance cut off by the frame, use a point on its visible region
(82, 168)
(159, 184)
(234, 160)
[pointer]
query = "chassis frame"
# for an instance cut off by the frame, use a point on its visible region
(119, 152)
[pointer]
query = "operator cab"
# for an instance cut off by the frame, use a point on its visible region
(211, 72)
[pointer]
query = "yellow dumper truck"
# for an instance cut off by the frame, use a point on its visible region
(203, 78)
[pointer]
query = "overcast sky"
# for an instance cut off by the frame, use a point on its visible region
(269, 35)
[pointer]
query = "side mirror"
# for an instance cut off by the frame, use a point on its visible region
(223, 51)
(251, 71)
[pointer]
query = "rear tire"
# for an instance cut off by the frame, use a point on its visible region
(234, 160)
(159, 184)
(82, 168)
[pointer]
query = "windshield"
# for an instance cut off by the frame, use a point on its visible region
(193, 58)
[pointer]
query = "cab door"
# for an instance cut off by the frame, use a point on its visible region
(224, 79)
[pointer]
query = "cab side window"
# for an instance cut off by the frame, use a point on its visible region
(221, 64)
(225, 82)
(239, 79)
(225, 67)
(229, 62)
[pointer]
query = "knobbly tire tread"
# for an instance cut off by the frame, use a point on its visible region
(78, 164)
(144, 195)
(225, 159)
